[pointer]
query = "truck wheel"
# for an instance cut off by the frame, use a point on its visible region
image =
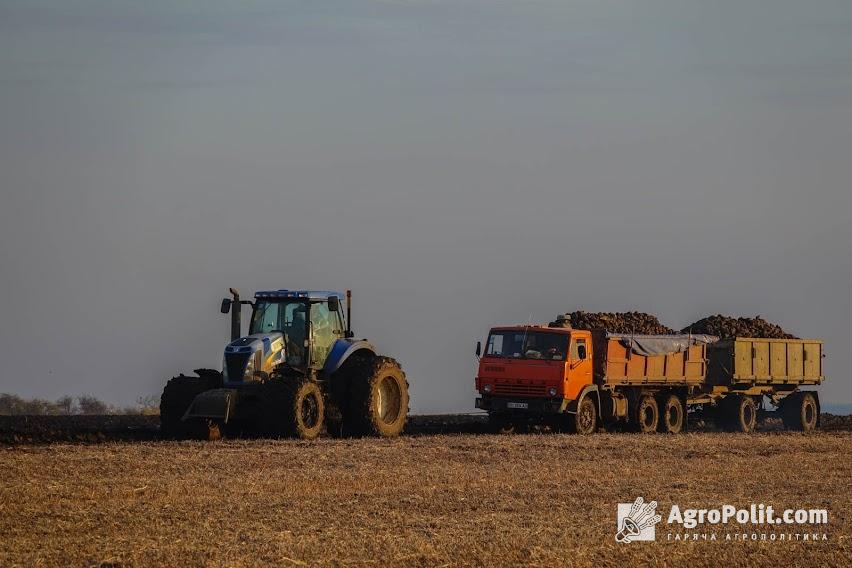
(293, 408)
(500, 423)
(378, 398)
(741, 415)
(177, 395)
(586, 419)
(673, 417)
(801, 413)
(647, 414)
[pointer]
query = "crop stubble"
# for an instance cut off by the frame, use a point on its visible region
(428, 500)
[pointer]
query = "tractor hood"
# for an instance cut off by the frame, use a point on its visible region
(252, 358)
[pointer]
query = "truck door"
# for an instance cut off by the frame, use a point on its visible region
(579, 365)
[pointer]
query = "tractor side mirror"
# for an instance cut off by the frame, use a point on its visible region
(226, 306)
(478, 348)
(333, 304)
(581, 351)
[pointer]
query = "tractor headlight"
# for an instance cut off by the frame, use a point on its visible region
(487, 389)
(552, 391)
(248, 374)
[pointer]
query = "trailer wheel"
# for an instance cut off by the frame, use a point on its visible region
(647, 414)
(586, 419)
(801, 412)
(741, 414)
(673, 417)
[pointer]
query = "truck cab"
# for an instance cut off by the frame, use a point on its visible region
(533, 370)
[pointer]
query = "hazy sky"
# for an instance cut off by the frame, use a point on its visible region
(458, 164)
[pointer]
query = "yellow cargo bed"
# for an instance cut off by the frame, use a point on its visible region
(765, 361)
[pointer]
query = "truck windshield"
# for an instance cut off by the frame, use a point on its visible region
(527, 345)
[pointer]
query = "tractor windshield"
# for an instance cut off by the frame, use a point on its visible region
(526, 344)
(287, 317)
(279, 316)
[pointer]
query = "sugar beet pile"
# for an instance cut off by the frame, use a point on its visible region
(725, 326)
(647, 324)
(615, 322)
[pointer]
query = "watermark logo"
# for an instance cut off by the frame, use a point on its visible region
(636, 521)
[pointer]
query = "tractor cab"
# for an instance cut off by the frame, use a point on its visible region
(296, 328)
(310, 323)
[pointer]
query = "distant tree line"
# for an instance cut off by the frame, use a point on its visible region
(14, 405)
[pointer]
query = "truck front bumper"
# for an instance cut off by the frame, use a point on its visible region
(522, 405)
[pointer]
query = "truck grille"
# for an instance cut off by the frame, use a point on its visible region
(519, 390)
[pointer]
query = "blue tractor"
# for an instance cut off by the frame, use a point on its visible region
(300, 371)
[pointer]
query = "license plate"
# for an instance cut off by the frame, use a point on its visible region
(517, 405)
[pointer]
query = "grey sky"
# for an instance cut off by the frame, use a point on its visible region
(458, 164)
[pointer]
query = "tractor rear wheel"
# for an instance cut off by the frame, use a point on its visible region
(293, 408)
(177, 396)
(377, 398)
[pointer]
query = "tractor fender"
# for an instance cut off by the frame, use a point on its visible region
(342, 350)
(572, 405)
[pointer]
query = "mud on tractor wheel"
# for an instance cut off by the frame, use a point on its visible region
(293, 407)
(177, 396)
(377, 397)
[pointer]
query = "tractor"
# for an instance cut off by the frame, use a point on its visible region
(300, 371)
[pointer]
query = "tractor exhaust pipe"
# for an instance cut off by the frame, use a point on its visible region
(236, 315)
(349, 313)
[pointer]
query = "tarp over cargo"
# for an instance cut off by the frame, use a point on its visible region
(661, 344)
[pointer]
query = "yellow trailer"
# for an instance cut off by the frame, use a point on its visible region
(745, 361)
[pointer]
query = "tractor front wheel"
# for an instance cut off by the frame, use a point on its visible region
(294, 408)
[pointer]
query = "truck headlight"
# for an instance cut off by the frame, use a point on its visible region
(552, 391)
(486, 389)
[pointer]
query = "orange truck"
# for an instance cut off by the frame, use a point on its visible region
(587, 380)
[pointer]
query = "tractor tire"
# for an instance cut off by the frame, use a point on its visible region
(647, 415)
(739, 414)
(292, 408)
(673, 416)
(800, 412)
(177, 396)
(377, 398)
(585, 421)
